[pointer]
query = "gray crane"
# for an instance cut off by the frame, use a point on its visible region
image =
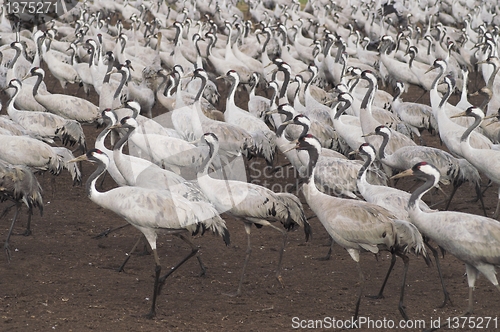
(251, 203)
(19, 185)
(485, 160)
(151, 211)
(45, 125)
(355, 225)
(473, 239)
(453, 170)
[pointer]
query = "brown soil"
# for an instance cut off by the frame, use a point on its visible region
(61, 278)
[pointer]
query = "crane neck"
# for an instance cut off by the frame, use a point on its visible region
(437, 79)
(419, 192)
(491, 80)
(16, 56)
(108, 72)
(264, 45)
(466, 135)
(212, 151)
(311, 166)
(37, 84)
(272, 100)
(232, 92)
(340, 50)
(383, 145)
(309, 81)
(397, 95)
(346, 104)
(362, 171)
(369, 96)
(91, 55)
(284, 86)
(123, 167)
(12, 100)
(305, 128)
(202, 88)
(90, 185)
(122, 83)
(99, 141)
(281, 129)
(446, 96)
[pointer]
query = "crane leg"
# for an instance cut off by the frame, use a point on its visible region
(454, 190)
(401, 305)
(380, 294)
(152, 312)
(247, 257)
(194, 251)
(7, 210)
(472, 274)
(330, 250)
(27, 232)
(497, 210)
(480, 197)
(487, 186)
(278, 269)
(110, 230)
(120, 269)
(6, 245)
(360, 293)
(438, 265)
(423, 94)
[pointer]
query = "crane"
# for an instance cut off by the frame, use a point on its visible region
(264, 139)
(485, 160)
(69, 107)
(151, 210)
(395, 201)
(355, 225)
(19, 184)
(454, 170)
(251, 203)
(45, 125)
(473, 239)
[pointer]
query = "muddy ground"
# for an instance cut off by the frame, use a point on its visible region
(61, 278)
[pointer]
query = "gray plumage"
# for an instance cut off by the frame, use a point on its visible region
(69, 107)
(19, 185)
(44, 125)
(24, 150)
(251, 203)
(151, 211)
(473, 239)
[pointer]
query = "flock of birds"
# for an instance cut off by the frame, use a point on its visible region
(311, 76)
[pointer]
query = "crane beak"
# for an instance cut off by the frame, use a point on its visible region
(26, 76)
(190, 75)
(196, 141)
(80, 158)
(490, 117)
(430, 69)
(353, 153)
(408, 172)
(459, 115)
(369, 134)
(112, 71)
(293, 147)
(269, 64)
(115, 126)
